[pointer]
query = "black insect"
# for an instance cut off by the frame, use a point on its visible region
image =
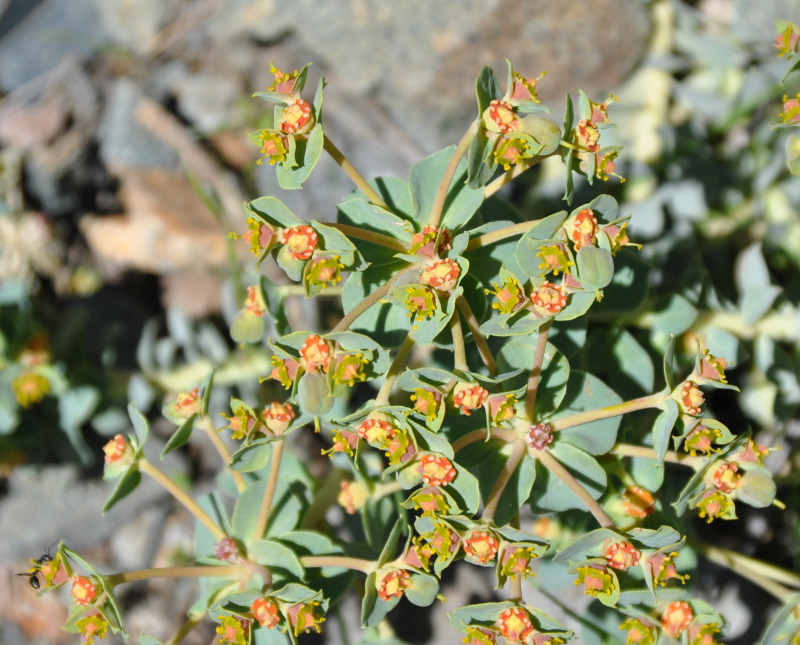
(31, 578)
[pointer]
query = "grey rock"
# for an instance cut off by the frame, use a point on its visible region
(55, 504)
(754, 22)
(122, 140)
(206, 99)
(421, 64)
(134, 24)
(53, 31)
(261, 19)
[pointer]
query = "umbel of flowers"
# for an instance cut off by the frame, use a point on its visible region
(445, 398)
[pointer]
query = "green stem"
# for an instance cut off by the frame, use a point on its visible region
(643, 403)
(356, 564)
(173, 489)
(324, 497)
(508, 176)
(370, 236)
(358, 179)
(262, 521)
(518, 451)
(299, 290)
(769, 577)
(209, 571)
(536, 369)
(630, 450)
(515, 583)
(779, 574)
(449, 172)
(480, 339)
(208, 427)
(193, 621)
(480, 435)
(351, 316)
(394, 371)
(459, 350)
(551, 463)
(500, 234)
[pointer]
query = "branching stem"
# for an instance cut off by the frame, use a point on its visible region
(478, 337)
(630, 450)
(208, 427)
(269, 494)
(536, 370)
(351, 316)
(517, 453)
(552, 464)
(449, 172)
(643, 403)
(480, 435)
(370, 236)
(508, 176)
(209, 571)
(173, 489)
(358, 179)
(394, 371)
(356, 564)
(459, 350)
(193, 621)
(500, 234)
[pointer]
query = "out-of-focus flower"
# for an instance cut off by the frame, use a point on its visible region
(266, 612)
(84, 591)
(436, 470)
(480, 546)
(549, 299)
(509, 297)
(278, 416)
(622, 555)
(676, 618)
(515, 625)
(92, 625)
(469, 397)
(315, 354)
(393, 583)
(233, 631)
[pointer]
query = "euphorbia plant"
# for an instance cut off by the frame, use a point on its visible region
(451, 410)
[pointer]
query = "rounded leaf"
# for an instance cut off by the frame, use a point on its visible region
(595, 267)
(248, 327)
(756, 488)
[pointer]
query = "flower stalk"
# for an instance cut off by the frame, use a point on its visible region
(394, 371)
(358, 179)
(652, 401)
(188, 503)
(536, 370)
(447, 178)
(208, 427)
(262, 522)
(518, 452)
(551, 463)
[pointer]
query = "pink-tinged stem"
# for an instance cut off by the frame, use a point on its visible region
(552, 464)
(536, 370)
(517, 454)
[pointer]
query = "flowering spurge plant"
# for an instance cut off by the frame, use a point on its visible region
(787, 42)
(452, 407)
